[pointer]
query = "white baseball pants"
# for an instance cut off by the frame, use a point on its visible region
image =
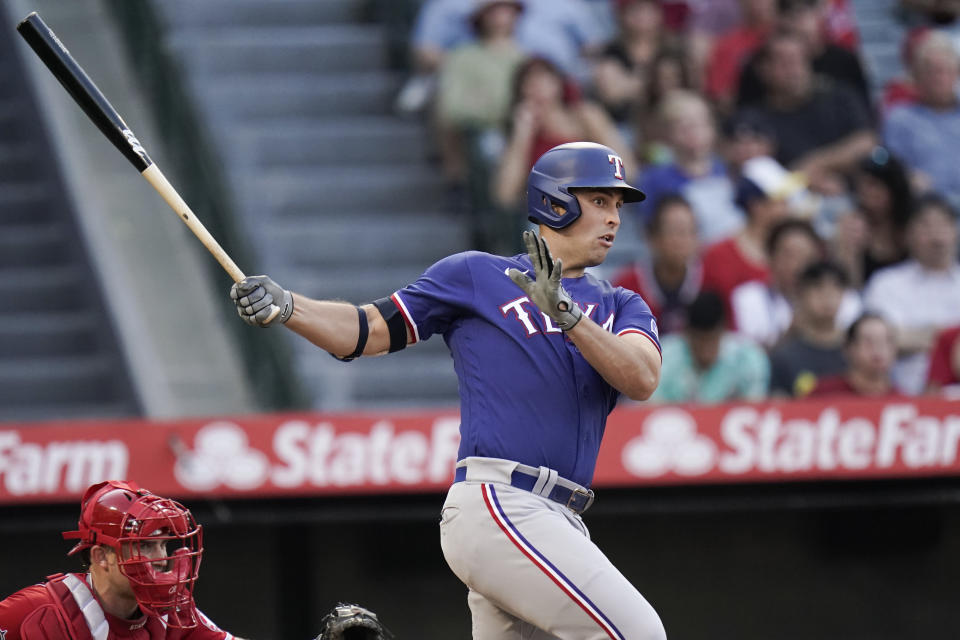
(530, 566)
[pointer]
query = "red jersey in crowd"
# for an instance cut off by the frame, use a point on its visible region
(725, 267)
(941, 371)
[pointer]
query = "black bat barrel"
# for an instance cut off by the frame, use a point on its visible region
(71, 75)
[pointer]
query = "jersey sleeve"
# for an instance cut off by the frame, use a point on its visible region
(437, 298)
(634, 316)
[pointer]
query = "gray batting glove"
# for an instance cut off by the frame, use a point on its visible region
(546, 291)
(261, 302)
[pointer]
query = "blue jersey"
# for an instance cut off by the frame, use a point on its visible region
(526, 392)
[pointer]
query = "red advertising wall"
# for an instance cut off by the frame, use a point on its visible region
(306, 454)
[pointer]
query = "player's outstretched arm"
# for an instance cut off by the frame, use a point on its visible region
(341, 328)
(335, 326)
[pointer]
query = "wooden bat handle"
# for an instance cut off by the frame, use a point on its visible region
(159, 182)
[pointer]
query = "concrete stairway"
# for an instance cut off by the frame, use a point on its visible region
(335, 192)
(59, 356)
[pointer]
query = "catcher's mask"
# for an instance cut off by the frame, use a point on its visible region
(157, 542)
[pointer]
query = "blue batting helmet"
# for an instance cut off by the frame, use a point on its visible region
(576, 164)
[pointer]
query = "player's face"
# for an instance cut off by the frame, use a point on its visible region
(585, 243)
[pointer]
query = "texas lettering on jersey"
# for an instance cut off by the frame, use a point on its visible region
(519, 309)
(504, 350)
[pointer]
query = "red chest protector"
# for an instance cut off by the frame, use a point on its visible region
(87, 619)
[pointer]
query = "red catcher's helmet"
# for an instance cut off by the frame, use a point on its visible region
(132, 521)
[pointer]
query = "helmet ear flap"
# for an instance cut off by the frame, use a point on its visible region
(543, 193)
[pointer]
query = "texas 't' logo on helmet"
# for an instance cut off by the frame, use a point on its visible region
(617, 163)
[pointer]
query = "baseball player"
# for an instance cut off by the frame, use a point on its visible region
(142, 554)
(542, 350)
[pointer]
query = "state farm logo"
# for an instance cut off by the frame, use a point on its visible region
(669, 442)
(221, 455)
(758, 441)
(62, 465)
(318, 455)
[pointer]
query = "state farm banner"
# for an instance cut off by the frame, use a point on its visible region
(306, 454)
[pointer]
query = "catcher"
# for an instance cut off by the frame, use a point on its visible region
(142, 556)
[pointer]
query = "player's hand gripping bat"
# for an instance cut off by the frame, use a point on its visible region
(86, 94)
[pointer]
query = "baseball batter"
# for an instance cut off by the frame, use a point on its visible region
(542, 351)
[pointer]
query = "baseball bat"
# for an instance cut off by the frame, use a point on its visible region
(86, 94)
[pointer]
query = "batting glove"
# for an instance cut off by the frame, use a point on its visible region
(546, 291)
(261, 302)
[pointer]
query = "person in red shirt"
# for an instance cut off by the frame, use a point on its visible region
(763, 193)
(732, 50)
(945, 360)
(870, 350)
(142, 554)
(671, 278)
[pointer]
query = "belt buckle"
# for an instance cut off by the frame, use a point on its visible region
(573, 494)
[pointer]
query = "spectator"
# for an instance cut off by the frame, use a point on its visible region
(621, 74)
(808, 19)
(941, 13)
(671, 278)
(920, 296)
(762, 193)
(840, 24)
(474, 89)
(871, 236)
(547, 111)
(696, 170)
(676, 14)
(925, 135)
(763, 310)
(870, 351)
(944, 369)
(903, 89)
(668, 73)
(708, 364)
(822, 128)
(563, 31)
(707, 22)
(440, 26)
(731, 50)
(746, 137)
(813, 346)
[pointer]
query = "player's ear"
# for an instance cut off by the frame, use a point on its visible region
(100, 555)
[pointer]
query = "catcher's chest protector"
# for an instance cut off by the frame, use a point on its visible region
(84, 616)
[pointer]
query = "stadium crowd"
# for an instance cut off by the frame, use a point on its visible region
(800, 232)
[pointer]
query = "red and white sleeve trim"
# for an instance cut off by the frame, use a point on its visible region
(407, 318)
(646, 335)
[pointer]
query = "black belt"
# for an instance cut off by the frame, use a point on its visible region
(577, 500)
